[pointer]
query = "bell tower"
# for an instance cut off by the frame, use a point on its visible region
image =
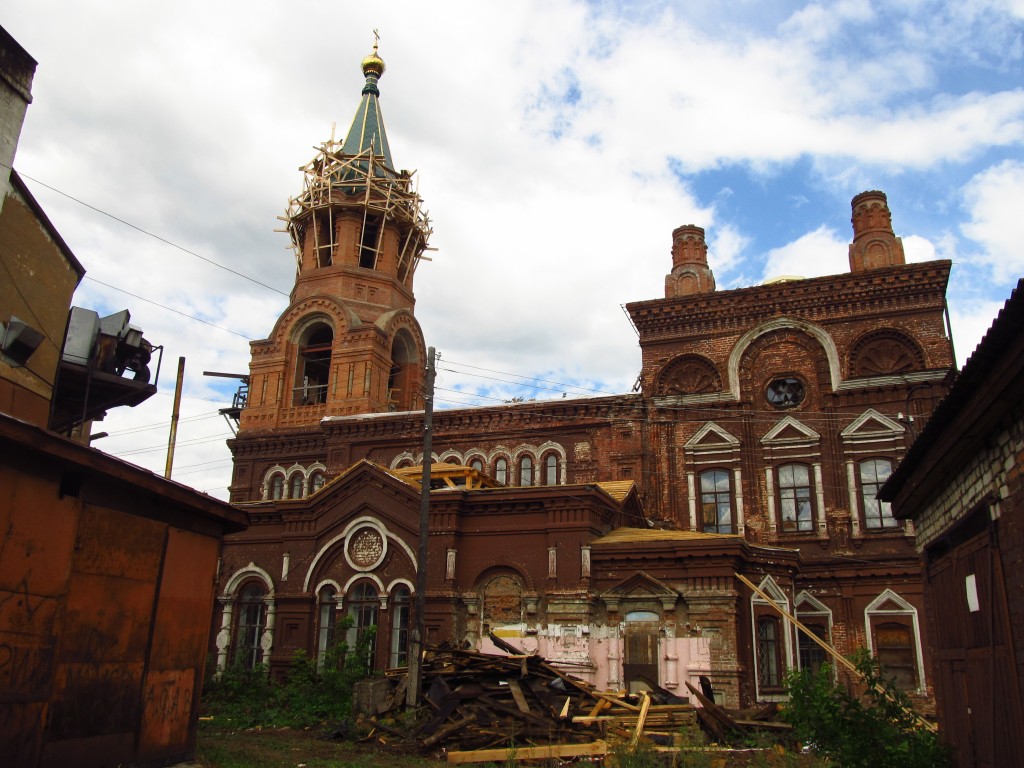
(348, 342)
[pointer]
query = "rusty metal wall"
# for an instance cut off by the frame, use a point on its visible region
(104, 616)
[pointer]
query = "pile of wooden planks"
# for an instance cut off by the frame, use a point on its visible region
(479, 704)
(481, 707)
(726, 726)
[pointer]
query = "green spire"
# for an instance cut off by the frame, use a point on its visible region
(367, 131)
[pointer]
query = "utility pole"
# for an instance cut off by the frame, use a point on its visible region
(419, 632)
(174, 418)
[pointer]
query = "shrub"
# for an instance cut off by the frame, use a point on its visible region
(878, 730)
(311, 693)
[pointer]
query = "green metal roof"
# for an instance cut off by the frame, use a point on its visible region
(367, 131)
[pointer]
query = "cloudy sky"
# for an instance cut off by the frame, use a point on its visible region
(556, 143)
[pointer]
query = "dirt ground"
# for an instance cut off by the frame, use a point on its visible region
(288, 748)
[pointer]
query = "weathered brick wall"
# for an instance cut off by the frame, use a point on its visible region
(994, 473)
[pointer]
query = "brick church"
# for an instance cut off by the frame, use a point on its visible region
(604, 533)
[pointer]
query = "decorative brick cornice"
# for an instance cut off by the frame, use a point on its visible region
(833, 299)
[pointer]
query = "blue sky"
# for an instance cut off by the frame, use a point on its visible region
(557, 145)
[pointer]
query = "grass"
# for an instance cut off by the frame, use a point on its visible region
(221, 747)
(289, 748)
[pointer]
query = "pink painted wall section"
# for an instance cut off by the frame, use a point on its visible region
(598, 659)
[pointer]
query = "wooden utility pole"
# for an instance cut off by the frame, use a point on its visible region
(419, 632)
(174, 418)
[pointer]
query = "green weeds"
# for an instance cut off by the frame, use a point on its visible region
(878, 730)
(311, 693)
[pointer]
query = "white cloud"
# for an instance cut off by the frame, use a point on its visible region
(993, 199)
(542, 132)
(726, 247)
(917, 248)
(817, 253)
(970, 321)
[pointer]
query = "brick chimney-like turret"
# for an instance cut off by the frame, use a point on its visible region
(874, 243)
(690, 271)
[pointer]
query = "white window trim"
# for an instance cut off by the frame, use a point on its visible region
(905, 609)
(769, 586)
(815, 610)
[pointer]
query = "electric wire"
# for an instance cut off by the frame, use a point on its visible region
(161, 424)
(181, 443)
(169, 309)
(137, 228)
(747, 415)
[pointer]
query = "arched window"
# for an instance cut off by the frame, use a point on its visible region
(403, 378)
(363, 603)
(295, 485)
(327, 622)
(369, 242)
(873, 473)
(526, 471)
(812, 655)
(502, 601)
(252, 621)
(894, 647)
(477, 464)
(551, 469)
(277, 487)
(313, 365)
(768, 653)
(716, 501)
(894, 637)
(323, 231)
(316, 482)
(501, 471)
(400, 604)
(796, 507)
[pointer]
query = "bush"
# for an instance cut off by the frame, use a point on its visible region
(877, 731)
(311, 693)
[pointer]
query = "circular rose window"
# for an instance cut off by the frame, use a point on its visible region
(785, 392)
(365, 548)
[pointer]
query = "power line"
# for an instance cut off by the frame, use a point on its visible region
(148, 233)
(558, 386)
(184, 443)
(169, 309)
(161, 424)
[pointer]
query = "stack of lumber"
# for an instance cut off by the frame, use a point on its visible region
(727, 726)
(481, 707)
(478, 703)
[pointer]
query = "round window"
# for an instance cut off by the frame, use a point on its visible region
(785, 392)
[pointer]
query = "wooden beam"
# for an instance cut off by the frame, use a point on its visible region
(645, 706)
(517, 694)
(529, 753)
(828, 648)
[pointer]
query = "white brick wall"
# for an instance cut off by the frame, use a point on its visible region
(985, 474)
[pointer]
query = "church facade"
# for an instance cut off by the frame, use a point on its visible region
(605, 533)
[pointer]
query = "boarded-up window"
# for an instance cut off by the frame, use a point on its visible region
(503, 600)
(894, 647)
